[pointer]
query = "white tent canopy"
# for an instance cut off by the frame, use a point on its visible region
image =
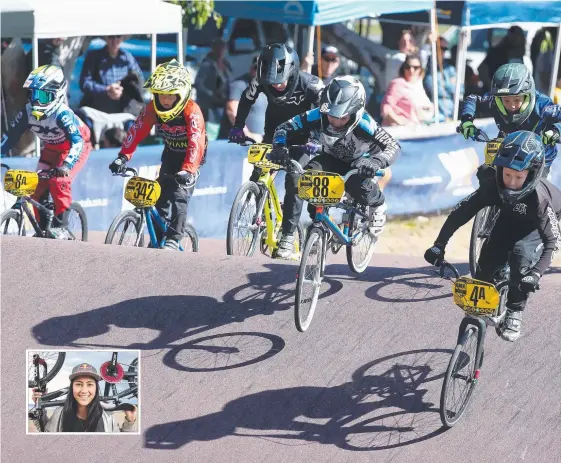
(70, 18)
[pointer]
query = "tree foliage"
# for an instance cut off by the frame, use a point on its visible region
(197, 12)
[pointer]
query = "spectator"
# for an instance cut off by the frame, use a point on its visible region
(330, 61)
(406, 46)
(255, 122)
(212, 82)
(406, 102)
(113, 137)
(543, 47)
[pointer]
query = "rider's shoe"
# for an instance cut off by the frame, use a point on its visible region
(171, 245)
(285, 249)
(58, 233)
(377, 218)
(511, 325)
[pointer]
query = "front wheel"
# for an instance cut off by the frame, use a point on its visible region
(460, 380)
(243, 223)
(52, 362)
(482, 226)
(77, 222)
(309, 279)
(11, 223)
(126, 230)
(359, 254)
(190, 240)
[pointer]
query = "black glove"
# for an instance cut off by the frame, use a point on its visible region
(279, 155)
(118, 165)
(435, 255)
(184, 178)
(61, 171)
(367, 167)
(530, 282)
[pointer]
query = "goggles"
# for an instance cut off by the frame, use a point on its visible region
(41, 97)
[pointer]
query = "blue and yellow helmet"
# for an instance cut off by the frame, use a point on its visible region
(47, 89)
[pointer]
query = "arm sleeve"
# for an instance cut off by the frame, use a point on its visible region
(248, 98)
(87, 81)
(196, 136)
(133, 65)
(302, 124)
(15, 130)
(138, 131)
(388, 145)
(66, 120)
(471, 102)
(548, 228)
(550, 113)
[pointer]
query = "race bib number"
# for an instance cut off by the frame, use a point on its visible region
(491, 149)
(321, 187)
(257, 155)
(142, 192)
(21, 182)
(476, 297)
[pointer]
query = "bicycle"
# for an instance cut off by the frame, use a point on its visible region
(22, 184)
(143, 194)
(112, 372)
(264, 210)
(325, 190)
(486, 218)
(484, 304)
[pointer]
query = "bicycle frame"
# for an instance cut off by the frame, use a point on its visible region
(269, 203)
(23, 203)
(322, 216)
(149, 216)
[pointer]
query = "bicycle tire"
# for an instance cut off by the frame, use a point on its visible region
(352, 249)
(124, 217)
(53, 371)
(300, 239)
(134, 367)
(303, 323)
(191, 233)
(83, 220)
(11, 214)
(481, 226)
(448, 421)
(253, 188)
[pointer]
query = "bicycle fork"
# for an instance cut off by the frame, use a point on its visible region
(481, 331)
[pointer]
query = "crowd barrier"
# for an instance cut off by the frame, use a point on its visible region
(432, 174)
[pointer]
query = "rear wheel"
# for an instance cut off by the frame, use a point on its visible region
(77, 222)
(243, 223)
(10, 223)
(190, 240)
(359, 254)
(125, 229)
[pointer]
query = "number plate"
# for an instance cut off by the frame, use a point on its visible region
(491, 149)
(321, 187)
(256, 154)
(21, 182)
(476, 297)
(142, 192)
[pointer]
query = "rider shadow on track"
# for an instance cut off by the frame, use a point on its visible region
(390, 402)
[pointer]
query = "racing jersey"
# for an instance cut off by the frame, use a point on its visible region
(367, 137)
(62, 132)
(184, 136)
(545, 113)
(307, 93)
(540, 210)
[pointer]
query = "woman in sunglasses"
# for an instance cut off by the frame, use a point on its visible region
(66, 139)
(406, 101)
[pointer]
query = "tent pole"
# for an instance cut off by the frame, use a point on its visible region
(180, 49)
(434, 65)
(460, 69)
(35, 59)
(310, 45)
(153, 45)
(555, 69)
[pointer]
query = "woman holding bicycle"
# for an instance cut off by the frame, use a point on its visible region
(526, 234)
(180, 121)
(82, 411)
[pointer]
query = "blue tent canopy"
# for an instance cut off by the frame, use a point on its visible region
(317, 12)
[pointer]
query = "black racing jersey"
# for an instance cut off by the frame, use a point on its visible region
(307, 93)
(540, 210)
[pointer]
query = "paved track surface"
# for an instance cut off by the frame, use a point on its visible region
(225, 376)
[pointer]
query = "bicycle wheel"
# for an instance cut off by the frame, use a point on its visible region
(461, 374)
(54, 361)
(78, 222)
(130, 222)
(190, 240)
(133, 368)
(360, 254)
(308, 280)
(482, 226)
(10, 222)
(244, 209)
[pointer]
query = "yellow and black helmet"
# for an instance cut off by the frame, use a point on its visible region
(170, 78)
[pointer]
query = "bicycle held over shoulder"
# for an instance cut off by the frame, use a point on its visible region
(256, 214)
(325, 190)
(144, 194)
(22, 184)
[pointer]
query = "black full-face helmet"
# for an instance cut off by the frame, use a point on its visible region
(277, 64)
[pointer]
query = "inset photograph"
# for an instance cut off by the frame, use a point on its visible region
(83, 391)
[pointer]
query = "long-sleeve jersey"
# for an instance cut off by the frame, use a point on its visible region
(538, 211)
(367, 137)
(545, 113)
(59, 132)
(184, 136)
(307, 93)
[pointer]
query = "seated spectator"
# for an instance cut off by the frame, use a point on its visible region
(406, 102)
(113, 137)
(255, 122)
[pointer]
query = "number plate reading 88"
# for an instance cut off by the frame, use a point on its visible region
(142, 192)
(321, 188)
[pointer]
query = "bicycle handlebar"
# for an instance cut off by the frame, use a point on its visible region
(125, 171)
(300, 170)
(444, 265)
(479, 135)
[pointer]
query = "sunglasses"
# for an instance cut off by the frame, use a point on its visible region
(414, 68)
(41, 96)
(331, 60)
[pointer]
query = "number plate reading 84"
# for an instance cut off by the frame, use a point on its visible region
(321, 187)
(21, 182)
(142, 192)
(476, 297)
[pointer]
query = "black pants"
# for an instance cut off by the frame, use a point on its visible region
(364, 191)
(525, 247)
(173, 201)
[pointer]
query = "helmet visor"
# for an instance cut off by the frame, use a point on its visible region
(512, 104)
(41, 97)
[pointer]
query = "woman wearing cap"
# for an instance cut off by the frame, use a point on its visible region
(82, 411)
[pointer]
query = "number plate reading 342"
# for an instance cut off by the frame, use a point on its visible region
(321, 187)
(142, 192)
(21, 182)
(476, 297)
